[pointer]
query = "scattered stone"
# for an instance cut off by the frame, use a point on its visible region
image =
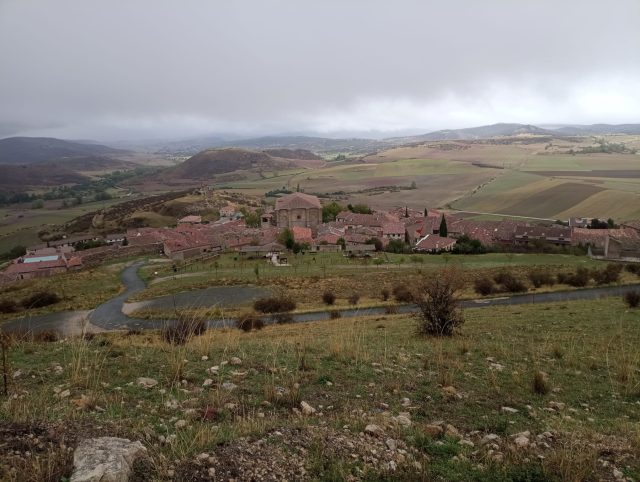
(433, 430)
(235, 361)
(391, 444)
(63, 394)
(466, 443)
(207, 383)
(145, 382)
(489, 438)
(181, 424)
(204, 358)
(557, 406)
(373, 429)
(509, 410)
(307, 409)
(403, 420)
(105, 459)
(451, 431)
(229, 386)
(450, 392)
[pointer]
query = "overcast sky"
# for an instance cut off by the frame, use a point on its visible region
(123, 69)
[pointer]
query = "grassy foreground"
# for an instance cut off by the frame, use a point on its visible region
(383, 403)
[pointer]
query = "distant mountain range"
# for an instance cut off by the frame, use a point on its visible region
(32, 150)
(362, 145)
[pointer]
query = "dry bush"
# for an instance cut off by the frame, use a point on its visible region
(437, 298)
(276, 304)
(183, 330)
(579, 279)
(385, 294)
(540, 383)
(8, 306)
(539, 279)
(40, 299)
(249, 321)
(610, 274)
(509, 282)
(402, 294)
(354, 298)
(484, 286)
(632, 268)
(632, 298)
(328, 298)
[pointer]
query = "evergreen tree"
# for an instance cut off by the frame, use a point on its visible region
(443, 227)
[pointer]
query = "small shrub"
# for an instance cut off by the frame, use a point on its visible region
(183, 330)
(437, 300)
(402, 294)
(541, 383)
(385, 294)
(277, 304)
(40, 299)
(539, 279)
(632, 299)
(249, 321)
(334, 315)
(484, 286)
(46, 336)
(8, 306)
(580, 278)
(563, 278)
(354, 298)
(633, 268)
(610, 274)
(510, 283)
(328, 298)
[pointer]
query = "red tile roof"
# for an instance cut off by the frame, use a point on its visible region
(298, 200)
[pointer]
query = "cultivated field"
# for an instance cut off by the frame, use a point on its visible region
(516, 176)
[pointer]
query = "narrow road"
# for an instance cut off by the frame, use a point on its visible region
(109, 316)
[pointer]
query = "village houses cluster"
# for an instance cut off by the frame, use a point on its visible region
(302, 214)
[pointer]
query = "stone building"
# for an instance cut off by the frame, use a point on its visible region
(298, 209)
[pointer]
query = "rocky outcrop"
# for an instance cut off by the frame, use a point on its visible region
(105, 459)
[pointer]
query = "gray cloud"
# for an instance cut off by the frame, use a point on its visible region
(157, 67)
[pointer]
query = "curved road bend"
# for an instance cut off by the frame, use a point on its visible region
(109, 315)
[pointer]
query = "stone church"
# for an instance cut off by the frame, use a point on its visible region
(298, 209)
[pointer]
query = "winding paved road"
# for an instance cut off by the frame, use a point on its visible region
(109, 315)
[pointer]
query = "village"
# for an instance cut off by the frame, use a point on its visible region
(296, 224)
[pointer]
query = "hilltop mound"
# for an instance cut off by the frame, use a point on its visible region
(30, 150)
(212, 162)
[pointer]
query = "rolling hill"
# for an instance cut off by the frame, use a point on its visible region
(472, 133)
(212, 162)
(31, 150)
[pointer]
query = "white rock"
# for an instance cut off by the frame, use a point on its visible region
(204, 358)
(509, 410)
(229, 386)
(181, 424)
(145, 382)
(521, 441)
(207, 383)
(391, 444)
(489, 438)
(235, 361)
(403, 421)
(307, 409)
(105, 459)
